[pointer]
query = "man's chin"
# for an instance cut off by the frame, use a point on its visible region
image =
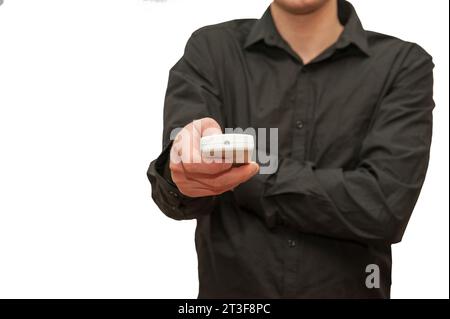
(300, 7)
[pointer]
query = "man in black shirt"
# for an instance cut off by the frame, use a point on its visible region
(353, 109)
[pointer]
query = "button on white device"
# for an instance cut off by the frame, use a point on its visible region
(229, 148)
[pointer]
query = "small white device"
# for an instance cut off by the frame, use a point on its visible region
(228, 148)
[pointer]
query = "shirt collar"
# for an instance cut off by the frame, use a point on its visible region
(264, 29)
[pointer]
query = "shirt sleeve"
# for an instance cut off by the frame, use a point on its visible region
(191, 94)
(374, 201)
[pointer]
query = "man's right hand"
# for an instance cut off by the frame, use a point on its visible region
(195, 177)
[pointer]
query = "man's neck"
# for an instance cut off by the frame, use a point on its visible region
(308, 34)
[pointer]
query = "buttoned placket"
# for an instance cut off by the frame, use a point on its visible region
(301, 107)
(300, 103)
(291, 264)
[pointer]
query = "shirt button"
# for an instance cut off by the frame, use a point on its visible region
(292, 243)
(173, 194)
(299, 124)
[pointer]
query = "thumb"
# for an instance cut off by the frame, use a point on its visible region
(209, 126)
(254, 168)
(241, 174)
(246, 171)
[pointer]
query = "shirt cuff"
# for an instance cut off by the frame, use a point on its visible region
(167, 195)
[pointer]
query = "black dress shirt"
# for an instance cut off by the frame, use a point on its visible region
(354, 133)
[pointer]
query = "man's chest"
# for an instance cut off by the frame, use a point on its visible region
(322, 111)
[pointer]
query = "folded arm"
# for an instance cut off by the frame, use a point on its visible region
(374, 201)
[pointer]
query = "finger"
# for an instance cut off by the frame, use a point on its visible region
(189, 144)
(198, 192)
(210, 169)
(186, 148)
(196, 164)
(237, 175)
(207, 126)
(176, 153)
(227, 180)
(181, 160)
(191, 188)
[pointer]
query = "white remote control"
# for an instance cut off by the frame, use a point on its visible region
(228, 148)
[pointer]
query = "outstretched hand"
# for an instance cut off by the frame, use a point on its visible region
(196, 177)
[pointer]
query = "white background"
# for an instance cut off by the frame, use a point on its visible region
(82, 84)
